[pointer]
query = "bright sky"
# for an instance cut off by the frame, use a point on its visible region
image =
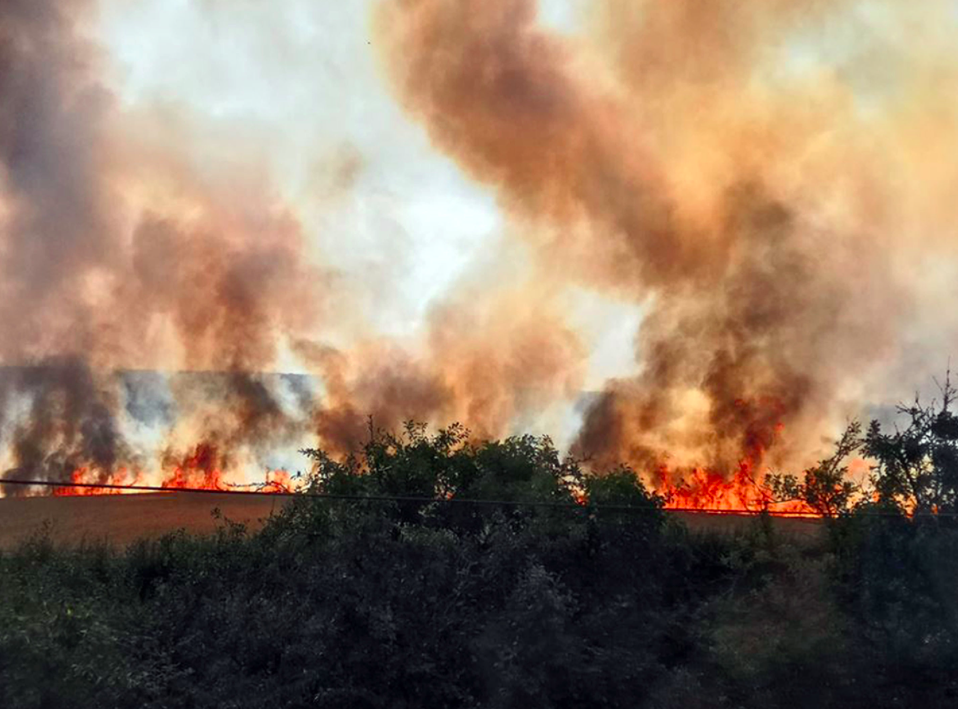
(300, 95)
(293, 96)
(305, 81)
(301, 91)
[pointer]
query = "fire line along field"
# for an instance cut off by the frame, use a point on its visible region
(478, 353)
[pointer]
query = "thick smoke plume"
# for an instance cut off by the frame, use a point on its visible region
(125, 255)
(489, 361)
(116, 255)
(769, 181)
(678, 161)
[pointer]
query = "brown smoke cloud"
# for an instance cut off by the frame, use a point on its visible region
(678, 159)
(137, 240)
(493, 359)
(117, 253)
(767, 180)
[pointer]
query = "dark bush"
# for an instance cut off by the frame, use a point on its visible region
(573, 590)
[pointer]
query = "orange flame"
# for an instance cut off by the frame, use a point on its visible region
(708, 491)
(280, 482)
(84, 476)
(200, 470)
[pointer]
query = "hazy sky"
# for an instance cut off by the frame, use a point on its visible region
(301, 95)
(721, 215)
(301, 90)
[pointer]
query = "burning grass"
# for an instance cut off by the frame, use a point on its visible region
(699, 489)
(202, 469)
(349, 603)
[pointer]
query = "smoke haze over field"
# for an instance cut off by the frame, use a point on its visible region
(732, 221)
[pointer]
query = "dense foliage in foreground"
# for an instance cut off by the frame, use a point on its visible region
(345, 603)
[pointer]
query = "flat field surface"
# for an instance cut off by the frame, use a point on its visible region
(121, 519)
(796, 527)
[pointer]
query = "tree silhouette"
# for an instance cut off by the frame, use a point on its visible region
(825, 488)
(917, 467)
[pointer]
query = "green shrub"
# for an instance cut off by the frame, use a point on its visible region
(589, 597)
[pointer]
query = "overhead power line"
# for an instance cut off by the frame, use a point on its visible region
(280, 492)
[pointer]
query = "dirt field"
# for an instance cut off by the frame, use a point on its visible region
(796, 527)
(120, 519)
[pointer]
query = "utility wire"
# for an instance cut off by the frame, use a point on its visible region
(422, 500)
(328, 496)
